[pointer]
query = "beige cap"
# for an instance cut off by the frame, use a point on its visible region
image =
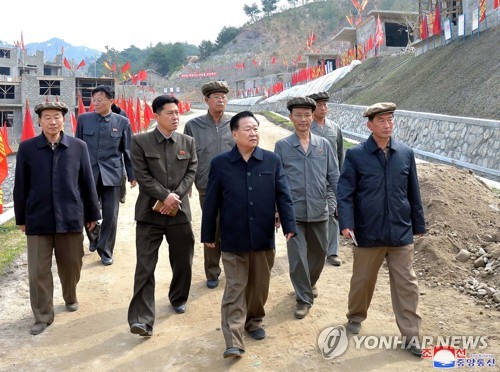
(321, 96)
(214, 87)
(379, 108)
(305, 102)
(51, 106)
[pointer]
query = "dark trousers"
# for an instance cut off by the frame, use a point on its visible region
(212, 255)
(180, 239)
(110, 199)
(68, 250)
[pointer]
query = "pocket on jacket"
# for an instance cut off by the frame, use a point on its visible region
(88, 131)
(265, 174)
(152, 155)
(115, 135)
(183, 156)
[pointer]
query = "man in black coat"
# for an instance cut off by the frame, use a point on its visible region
(54, 195)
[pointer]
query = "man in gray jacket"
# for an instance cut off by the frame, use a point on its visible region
(212, 136)
(326, 128)
(310, 166)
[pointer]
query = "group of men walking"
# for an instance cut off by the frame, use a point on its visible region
(245, 193)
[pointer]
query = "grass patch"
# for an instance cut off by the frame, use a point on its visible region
(276, 119)
(13, 244)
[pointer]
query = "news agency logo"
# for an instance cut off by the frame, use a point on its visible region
(333, 341)
(444, 357)
(445, 351)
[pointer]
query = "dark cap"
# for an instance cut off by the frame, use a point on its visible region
(214, 87)
(379, 108)
(321, 96)
(304, 102)
(51, 106)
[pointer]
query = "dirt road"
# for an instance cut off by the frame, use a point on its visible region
(97, 337)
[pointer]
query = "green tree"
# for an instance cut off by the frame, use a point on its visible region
(206, 47)
(252, 11)
(293, 3)
(226, 35)
(166, 58)
(269, 6)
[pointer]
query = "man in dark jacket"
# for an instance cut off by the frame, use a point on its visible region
(165, 165)
(107, 136)
(54, 195)
(246, 184)
(380, 209)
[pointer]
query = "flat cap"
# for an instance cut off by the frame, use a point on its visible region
(321, 96)
(379, 108)
(305, 102)
(51, 106)
(214, 87)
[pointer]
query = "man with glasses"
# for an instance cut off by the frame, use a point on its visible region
(310, 167)
(212, 135)
(108, 138)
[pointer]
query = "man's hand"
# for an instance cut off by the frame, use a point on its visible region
(171, 202)
(91, 225)
(346, 234)
(133, 184)
(209, 245)
(289, 236)
(22, 228)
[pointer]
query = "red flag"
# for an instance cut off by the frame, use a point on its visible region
(125, 67)
(482, 10)
(423, 28)
(148, 114)
(495, 4)
(130, 114)
(81, 64)
(73, 123)
(113, 67)
(273, 60)
(91, 107)
(66, 64)
(436, 27)
(142, 75)
(138, 114)
(57, 98)
(28, 129)
(81, 106)
(379, 33)
(46, 99)
(22, 41)
(4, 166)
(356, 4)
(5, 135)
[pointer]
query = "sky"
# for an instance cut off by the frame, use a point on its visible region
(96, 24)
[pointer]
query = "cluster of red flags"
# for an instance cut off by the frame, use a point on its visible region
(69, 67)
(308, 74)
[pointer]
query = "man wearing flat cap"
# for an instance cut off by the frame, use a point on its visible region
(212, 135)
(54, 196)
(324, 127)
(380, 208)
(310, 165)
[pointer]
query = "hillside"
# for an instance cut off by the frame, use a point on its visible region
(459, 79)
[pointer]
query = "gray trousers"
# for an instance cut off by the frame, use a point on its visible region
(68, 250)
(212, 255)
(306, 257)
(333, 237)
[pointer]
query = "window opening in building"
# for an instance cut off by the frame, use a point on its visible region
(6, 117)
(50, 88)
(7, 92)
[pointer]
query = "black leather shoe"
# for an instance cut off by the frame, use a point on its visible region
(415, 350)
(212, 283)
(38, 328)
(107, 261)
(258, 334)
(92, 247)
(233, 352)
(141, 329)
(353, 327)
(181, 309)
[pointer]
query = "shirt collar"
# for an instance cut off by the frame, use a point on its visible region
(106, 118)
